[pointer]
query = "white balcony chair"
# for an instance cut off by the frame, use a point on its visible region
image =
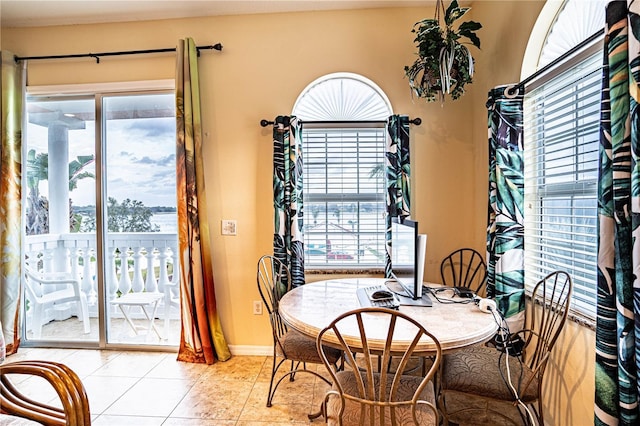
(171, 288)
(65, 289)
(171, 298)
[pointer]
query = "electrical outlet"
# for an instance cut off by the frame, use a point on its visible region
(257, 307)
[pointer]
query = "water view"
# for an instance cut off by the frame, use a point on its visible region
(168, 222)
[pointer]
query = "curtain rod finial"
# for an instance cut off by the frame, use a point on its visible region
(265, 123)
(417, 121)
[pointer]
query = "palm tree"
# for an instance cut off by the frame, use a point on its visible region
(377, 171)
(76, 168)
(37, 220)
(337, 213)
(37, 211)
(314, 212)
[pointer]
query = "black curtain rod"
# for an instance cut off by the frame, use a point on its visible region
(97, 56)
(417, 121)
(561, 58)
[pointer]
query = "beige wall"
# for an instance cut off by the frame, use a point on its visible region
(266, 62)
(569, 386)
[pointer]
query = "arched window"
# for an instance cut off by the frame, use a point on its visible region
(342, 97)
(343, 133)
(561, 140)
(576, 21)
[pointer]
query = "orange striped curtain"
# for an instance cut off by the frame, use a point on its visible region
(10, 200)
(201, 340)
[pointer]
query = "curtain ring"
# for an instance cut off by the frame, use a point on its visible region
(512, 92)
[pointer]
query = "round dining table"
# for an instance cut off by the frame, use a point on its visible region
(454, 322)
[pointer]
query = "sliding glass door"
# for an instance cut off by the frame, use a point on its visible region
(100, 220)
(59, 199)
(140, 206)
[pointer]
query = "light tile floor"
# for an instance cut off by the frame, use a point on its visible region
(152, 388)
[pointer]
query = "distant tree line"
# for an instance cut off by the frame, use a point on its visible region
(127, 216)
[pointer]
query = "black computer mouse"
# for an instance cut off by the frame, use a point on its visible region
(381, 294)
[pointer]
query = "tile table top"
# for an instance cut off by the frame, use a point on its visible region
(311, 307)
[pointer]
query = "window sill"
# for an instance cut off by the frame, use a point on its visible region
(576, 317)
(337, 271)
(589, 323)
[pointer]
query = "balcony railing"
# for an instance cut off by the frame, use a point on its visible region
(134, 263)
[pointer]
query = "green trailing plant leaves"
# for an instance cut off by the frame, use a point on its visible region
(444, 64)
(454, 12)
(467, 29)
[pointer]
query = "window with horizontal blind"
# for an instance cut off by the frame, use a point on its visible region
(344, 195)
(561, 141)
(344, 137)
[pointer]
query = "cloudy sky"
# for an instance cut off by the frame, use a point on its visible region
(140, 158)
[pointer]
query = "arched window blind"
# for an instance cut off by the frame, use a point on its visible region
(343, 132)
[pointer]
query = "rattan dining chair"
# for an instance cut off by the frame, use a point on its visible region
(364, 394)
(481, 371)
(274, 280)
(72, 408)
(464, 267)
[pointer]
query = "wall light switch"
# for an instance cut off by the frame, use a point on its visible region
(229, 227)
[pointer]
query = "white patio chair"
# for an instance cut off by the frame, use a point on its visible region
(171, 298)
(64, 289)
(171, 290)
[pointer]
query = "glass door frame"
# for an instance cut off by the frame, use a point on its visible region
(97, 92)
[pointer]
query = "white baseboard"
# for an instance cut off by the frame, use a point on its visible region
(251, 350)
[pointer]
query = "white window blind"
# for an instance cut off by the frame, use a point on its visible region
(344, 194)
(561, 122)
(344, 137)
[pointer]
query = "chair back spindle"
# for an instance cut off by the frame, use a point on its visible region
(365, 393)
(492, 374)
(72, 406)
(274, 281)
(464, 267)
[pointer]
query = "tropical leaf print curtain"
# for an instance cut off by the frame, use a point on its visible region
(618, 305)
(288, 240)
(505, 229)
(201, 339)
(10, 200)
(398, 174)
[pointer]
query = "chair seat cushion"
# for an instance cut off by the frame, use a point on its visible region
(475, 370)
(302, 348)
(406, 391)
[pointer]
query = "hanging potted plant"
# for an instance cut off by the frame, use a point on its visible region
(444, 64)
